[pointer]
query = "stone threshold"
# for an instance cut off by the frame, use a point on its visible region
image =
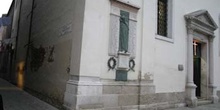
(203, 102)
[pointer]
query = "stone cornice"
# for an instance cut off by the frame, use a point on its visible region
(198, 28)
(195, 24)
(199, 22)
(193, 17)
(127, 3)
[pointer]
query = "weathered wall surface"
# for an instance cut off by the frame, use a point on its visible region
(56, 28)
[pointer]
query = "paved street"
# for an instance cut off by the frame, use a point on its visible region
(204, 107)
(16, 99)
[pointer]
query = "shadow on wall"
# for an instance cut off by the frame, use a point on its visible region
(38, 56)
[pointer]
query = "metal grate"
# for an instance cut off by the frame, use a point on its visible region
(162, 18)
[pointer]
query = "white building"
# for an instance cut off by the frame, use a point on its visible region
(125, 54)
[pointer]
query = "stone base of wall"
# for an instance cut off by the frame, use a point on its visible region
(156, 101)
(156, 106)
(112, 95)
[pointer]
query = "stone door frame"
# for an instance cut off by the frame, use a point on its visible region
(200, 23)
(205, 60)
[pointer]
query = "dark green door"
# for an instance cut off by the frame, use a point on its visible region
(197, 75)
(197, 69)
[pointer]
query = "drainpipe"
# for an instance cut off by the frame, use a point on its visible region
(29, 36)
(140, 59)
(139, 89)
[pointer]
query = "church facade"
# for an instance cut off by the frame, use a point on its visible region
(119, 54)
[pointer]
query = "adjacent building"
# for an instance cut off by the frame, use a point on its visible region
(118, 54)
(6, 49)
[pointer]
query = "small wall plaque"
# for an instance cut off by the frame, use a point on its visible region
(180, 67)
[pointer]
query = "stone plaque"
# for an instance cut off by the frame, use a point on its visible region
(132, 39)
(123, 61)
(121, 75)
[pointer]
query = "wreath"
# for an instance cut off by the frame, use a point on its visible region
(131, 64)
(111, 63)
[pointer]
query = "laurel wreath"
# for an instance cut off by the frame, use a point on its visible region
(112, 63)
(131, 64)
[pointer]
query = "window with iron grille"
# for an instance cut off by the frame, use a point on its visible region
(162, 17)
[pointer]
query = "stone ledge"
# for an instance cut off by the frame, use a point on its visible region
(127, 4)
(127, 83)
(150, 89)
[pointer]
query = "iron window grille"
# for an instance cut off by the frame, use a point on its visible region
(162, 17)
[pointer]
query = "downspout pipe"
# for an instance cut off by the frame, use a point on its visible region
(30, 30)
(140, 59)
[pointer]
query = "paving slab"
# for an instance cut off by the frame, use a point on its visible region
(17, 99)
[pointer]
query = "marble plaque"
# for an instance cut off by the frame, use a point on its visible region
(132, 38)
(114, 36)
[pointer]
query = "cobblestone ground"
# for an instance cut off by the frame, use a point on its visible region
(203, 107)
(16, 99)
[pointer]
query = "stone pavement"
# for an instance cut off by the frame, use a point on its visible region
(203, 107)
(16, 99)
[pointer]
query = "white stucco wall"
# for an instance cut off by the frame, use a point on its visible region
(154, 56)
(168, 55)
(213, 8)
(95, 44)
